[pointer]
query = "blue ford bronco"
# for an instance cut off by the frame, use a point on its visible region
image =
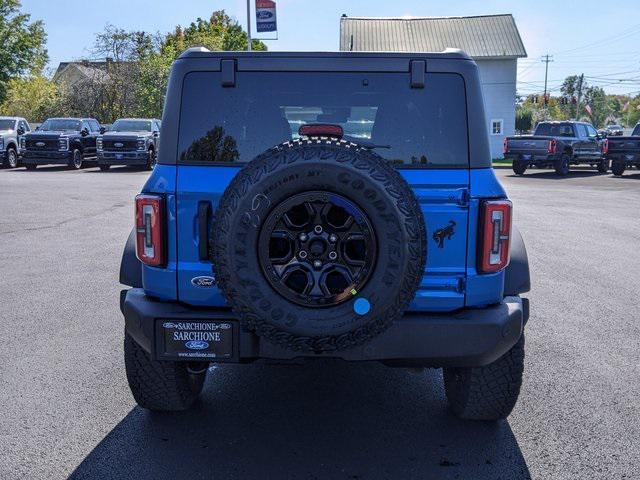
(325, 205)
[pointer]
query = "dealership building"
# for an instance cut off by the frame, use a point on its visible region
(493, 41)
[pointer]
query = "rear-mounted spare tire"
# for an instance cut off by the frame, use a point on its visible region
(318, 245)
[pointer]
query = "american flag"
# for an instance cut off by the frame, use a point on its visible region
(588, 109)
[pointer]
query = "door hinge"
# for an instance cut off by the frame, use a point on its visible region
(418, 72)
(228, 70)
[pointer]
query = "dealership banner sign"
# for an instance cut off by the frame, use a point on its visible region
(266, 16)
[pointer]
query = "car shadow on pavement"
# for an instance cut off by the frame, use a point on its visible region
(551, 174)
(322, 420)
(118, 169)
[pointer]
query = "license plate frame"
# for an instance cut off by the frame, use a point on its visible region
(190, 340)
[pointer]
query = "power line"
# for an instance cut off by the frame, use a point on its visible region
(624, 34)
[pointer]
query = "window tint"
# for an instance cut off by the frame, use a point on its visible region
(636, 131)
(131, 126)
(554, 130)
(94, 125)
(25, 126)
(7, 124)
(591, 132)
(412, 127)
(53, 124)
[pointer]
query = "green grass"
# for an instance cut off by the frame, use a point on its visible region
(498, 162)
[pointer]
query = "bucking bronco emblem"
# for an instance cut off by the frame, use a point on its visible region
(444, 233)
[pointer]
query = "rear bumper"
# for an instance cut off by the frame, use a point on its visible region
(46, 158)
(628, 158)
(530, 157)
(123, 158)
(471, 337)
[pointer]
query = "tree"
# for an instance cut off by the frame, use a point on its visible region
(524, 120)
(22, 45)
(34, 98)
(597, 101)
(220, 32)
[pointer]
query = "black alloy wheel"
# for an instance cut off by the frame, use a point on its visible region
(317, 249)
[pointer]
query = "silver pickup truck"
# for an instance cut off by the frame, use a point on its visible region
(11, 129)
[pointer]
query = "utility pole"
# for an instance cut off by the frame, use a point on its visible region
(579, 90)
(546, 59)
(249, 24)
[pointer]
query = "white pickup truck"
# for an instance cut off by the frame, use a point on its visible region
(11, 129)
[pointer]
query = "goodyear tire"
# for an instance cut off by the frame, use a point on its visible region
(486, 393)
(296, 187)
(161, 385)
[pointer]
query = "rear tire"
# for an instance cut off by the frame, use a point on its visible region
(618, 168)
(161, 385)
(75, 162)
(562, 165)
(489, 392)
(104, 168)
(519, 167)
(603, 166)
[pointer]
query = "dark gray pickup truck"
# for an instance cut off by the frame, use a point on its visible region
(623, 152)
(130, 141)
(558, 145)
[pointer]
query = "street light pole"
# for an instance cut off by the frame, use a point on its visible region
(249, 25)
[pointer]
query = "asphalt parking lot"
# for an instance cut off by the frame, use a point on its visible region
(66, 408)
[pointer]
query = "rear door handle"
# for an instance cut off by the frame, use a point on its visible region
(204, 213)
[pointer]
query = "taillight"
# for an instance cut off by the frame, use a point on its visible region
(605, 146)
(495, 235)
(552, 146)
(505, 146)
(150, 239)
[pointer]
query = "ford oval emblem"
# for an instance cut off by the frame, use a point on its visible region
(264, 14)
(197, 345)
(118, 144)
(203, 282)
(40, 144)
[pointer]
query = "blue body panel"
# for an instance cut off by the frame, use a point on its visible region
(450, 281)
(161, 282)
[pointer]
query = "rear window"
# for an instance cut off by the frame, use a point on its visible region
(554, 130)
(409, 127)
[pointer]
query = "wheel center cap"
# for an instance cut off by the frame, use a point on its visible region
(317, 247)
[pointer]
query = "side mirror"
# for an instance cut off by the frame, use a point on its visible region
(20, 131)
(156, 134)
(38, 127)
(102, 129)
(84, 132)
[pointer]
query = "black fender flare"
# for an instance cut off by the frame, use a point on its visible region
(517, 279)
(130, 266)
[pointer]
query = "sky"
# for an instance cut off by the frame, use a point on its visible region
(597, 38)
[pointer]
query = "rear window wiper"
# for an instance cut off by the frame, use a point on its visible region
(366, 144)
